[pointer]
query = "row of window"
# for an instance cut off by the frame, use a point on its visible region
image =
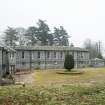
(47, 55)
(80, 55)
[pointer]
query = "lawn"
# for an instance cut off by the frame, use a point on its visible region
(89, 77)
(50, 88)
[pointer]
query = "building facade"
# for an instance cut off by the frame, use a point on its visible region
(96, 62)
(48, 57)
(5, 61)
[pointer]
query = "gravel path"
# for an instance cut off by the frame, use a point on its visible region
(24, 78)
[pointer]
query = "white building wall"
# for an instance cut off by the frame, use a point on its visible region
(0, 62)
(44, 62)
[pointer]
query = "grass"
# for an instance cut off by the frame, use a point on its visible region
(49, 77)
(63, 95)
(50, 88)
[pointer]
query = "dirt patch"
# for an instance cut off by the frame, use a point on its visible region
(26, 78)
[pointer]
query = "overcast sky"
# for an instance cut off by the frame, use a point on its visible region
(81, 18)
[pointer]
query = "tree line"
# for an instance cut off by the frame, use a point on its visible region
(36, 35)
(94, 48)
(40, 34)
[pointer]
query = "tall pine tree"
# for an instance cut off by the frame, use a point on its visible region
(10, 37)
(43, 34)
(31, 35)
(61, 36)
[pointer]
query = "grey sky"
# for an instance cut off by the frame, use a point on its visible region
(81, 18)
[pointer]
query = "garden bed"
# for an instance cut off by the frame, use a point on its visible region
(70, 72)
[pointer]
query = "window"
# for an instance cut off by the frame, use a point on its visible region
(32, 55)
(54, 54)
(70, 53)
(23, 63)
(48, 54)
(22, 54)
(39, 63)
(38, 54)
(61, 54)
(73, 54)
(81, 55)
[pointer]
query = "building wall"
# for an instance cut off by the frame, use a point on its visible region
(96, 62)
(48, 59)
(4, 62)
(0, 62)
(12, 61)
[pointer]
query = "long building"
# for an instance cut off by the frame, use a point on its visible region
(48, 57)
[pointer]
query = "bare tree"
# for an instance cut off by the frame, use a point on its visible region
(21, 36)
(94, 48)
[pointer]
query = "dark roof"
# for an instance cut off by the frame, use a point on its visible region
(51, 48)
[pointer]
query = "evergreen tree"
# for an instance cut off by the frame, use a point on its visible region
(69, 62)
(50, 39)
(10, 37)
(43, 32)
(64, 37)
(40, 35)
(57, 36)
(61, 36)
(31, 35)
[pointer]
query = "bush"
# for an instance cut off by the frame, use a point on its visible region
(69, 62)
(37, 67)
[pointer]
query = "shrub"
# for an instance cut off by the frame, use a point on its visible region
(37, 67)
(69, 62)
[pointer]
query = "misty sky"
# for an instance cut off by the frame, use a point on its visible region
(81, 18)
